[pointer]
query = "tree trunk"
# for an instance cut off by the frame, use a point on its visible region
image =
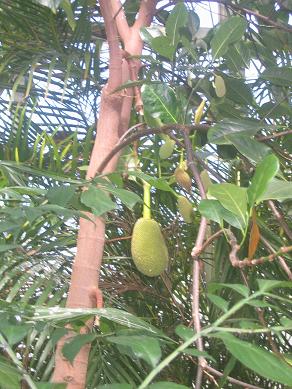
(115, 110)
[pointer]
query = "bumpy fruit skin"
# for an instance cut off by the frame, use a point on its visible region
(185, 208)
(148, 248)
(183, 179)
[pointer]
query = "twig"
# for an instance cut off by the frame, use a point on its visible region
(236, 262)
(230, 379)
(209, 241)
(280, 218)
(195, 255)
(282, 261)
(273, 136)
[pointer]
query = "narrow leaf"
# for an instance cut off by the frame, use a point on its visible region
(257, 359)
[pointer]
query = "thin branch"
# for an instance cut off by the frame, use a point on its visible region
(280, 218)
(236, 262)
(164, 129)
(191, 162)
(230, 379)
(273, 136)
(209, 241)
(195, 255)
(282, 261)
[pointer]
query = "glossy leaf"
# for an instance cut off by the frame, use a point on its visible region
(160, 102)
(277, 190)
(278, 75)
(218, 301)
(163, 46)
(72, 348)
(249, 147)
(230, 31)
(213, 210)
(232, 197)
(241, 289)
(130, 199)
(10, 377)
(257, 359)
(176, 20)
(220, 132)
(141, 346)
(265, 171)
(167, 385)
(97, 200)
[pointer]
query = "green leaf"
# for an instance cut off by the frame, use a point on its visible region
(176, 20)
(9, 376)
(72, 348)
(213, 210)
(66, 5)
(97, 200)
(230, 31)
(115, 386)
(6, 247)
(167, 385)
(277, 190)
(184, 332)
(220, 132)
(14, 333)
(238, 91)
(218, 301)
(121, 317)
(196, 353)
(249, 147)
(267, 285)
(158, 183)
(241, 289)
(278, 75)
(163, 46)
(232, 197)
(265, 171)
(61, 195)
(130, 199)
(160, 102)
(257, 359)
(144, 347)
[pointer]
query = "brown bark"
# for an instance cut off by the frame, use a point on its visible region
(113, 121)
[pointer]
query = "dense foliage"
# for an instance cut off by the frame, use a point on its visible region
(53, 65)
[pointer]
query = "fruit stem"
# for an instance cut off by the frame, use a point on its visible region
(147, 200)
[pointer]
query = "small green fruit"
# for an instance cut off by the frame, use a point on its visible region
(185, 208)
(183, 179)
(220, 87)
(148, 247)
(166, 149)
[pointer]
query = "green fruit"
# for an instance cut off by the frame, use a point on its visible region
(183, 179)
(220, 87)
(205, 179)
(166, 149)
(148, 248)
(185, 208)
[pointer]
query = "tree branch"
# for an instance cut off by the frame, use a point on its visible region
(120, 19)
(280, 218)
(145, 15)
